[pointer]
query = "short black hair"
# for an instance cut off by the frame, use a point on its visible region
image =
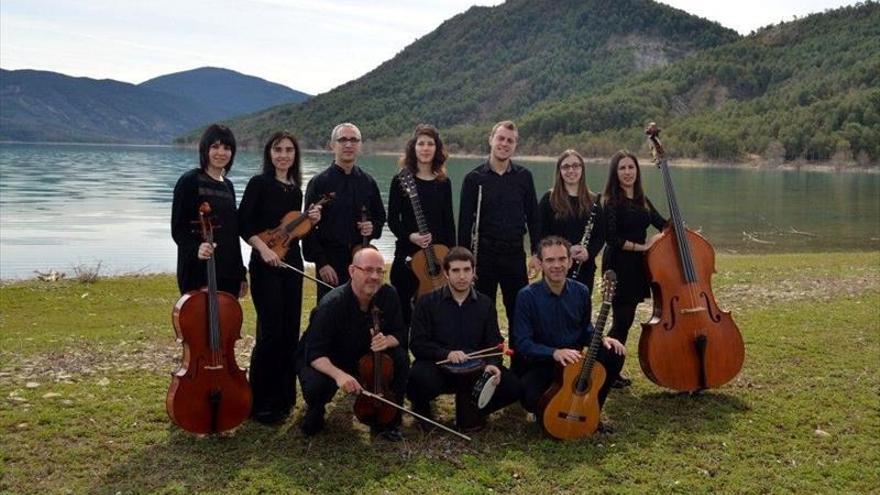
(213, 134)
(458, 253)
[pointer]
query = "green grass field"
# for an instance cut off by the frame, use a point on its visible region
(84, 370)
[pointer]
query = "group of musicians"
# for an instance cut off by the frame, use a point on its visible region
(549, 320)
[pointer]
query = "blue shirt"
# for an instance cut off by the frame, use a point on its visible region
(544, 321)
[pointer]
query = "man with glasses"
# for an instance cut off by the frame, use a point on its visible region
(329, 247)
(340, 332)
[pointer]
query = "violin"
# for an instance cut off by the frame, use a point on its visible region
(376, 371)
(689, 344)
(570, 407)
(426, 263)
(209, 393)
(294, 225)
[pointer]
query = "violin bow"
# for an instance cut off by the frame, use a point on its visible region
(306, 275)
(390, 403)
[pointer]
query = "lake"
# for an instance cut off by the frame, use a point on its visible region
(68, 205)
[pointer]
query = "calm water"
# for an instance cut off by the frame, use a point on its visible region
(62, 205)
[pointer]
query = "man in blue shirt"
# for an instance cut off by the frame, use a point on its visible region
(552, 325)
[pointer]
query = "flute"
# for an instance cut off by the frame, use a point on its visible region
(475, 229)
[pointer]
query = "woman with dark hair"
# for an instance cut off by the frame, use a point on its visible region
(566, 210)
(208, 183)
(628, 213)
(277, 291)
(425, 157)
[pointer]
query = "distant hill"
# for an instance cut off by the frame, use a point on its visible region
(227, 93)
(48, 106)
(498, 62)
(589, 74)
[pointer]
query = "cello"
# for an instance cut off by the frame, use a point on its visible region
(209, 393)
(425, 263)
(689, 344)
(376, 370)
(570, 408)
(294, 225)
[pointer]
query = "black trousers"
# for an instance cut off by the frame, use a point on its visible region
(405, 281)
(506, 268)
(318, 389)
(339, 258)
(539, 375)
(623, 313)
(428, 380)
(277, 296)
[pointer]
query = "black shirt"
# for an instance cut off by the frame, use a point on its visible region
(340, 331)
(192, 189)
(628, 221)
(440, 325)
(266, 200)
(572, 228)
(509, 206)
(338, 227)
(435, 198)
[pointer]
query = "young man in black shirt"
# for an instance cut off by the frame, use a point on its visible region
(329, 246)
(449, 323)
(508, 208)
(339, 334)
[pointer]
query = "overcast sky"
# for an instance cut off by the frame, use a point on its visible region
(308, 45)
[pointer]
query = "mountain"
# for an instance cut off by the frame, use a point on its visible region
(48, 106)
(490, 63)
(227, 93)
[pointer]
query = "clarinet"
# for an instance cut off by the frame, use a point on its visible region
(585, 240)
(475, 229)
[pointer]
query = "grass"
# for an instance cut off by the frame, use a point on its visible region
(84, 369)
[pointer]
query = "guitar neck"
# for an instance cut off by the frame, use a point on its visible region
(595, 342)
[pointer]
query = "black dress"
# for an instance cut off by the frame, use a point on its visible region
(277, 295)
(192, 189)
(435, 198)
(572, 229)
(628, 221)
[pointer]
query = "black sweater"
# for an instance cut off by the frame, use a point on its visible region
(264, 203)
(572, 228)
(435, 198)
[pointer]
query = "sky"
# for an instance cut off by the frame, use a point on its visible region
(308, 45)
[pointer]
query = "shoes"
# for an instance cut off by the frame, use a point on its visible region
(605, 428)
(313, 422)
(269, 418)
(621, 382)
(391, 434)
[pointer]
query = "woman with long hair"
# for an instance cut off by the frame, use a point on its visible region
(425, 158)
(277, 291)
(567, 209)
(628, 214)
(208, 183)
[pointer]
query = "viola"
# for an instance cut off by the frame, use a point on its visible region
(689, 344)
(426, 263)
(570, 407)
(294, 225)
(376, 371)
(209, 393)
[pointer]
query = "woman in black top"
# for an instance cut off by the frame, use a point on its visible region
(565, 211)
(277, 291)
(628, 213)
(208, 183)
(426, 159)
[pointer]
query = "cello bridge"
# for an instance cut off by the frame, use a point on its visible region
(698, 309)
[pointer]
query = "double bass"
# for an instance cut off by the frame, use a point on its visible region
(426, 263)
(376, 371)
(570, 408)
(689, 344)
(209, 393)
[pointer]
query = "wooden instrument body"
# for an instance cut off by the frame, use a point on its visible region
(429, 271)
(567, 412)
(688, 344)
(279, 238)
(376, 370)
(209, 393)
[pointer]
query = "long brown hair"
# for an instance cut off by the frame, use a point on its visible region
(294, 173)
(409, 159)
(559, 201)
(613, 192)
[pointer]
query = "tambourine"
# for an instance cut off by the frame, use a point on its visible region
(484, 389)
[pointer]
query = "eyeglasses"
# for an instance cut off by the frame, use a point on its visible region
(371, 271)
(571, 166)
(348, 140)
